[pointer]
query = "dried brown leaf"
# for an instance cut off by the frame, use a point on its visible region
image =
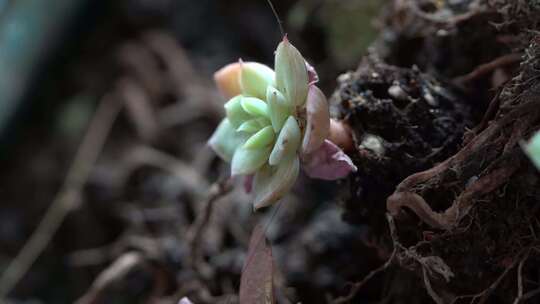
(256, 285)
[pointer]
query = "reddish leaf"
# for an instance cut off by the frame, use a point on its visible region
(313, 77)
(256, 285)
(328, 162)
(248, 183)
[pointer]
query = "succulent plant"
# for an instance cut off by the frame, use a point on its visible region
(275, 122)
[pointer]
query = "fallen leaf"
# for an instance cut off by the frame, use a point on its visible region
(256, 283)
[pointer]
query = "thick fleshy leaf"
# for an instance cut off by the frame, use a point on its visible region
(255, 78)
(247, 161)
(254, 106)
(273, 182)
(313, 77)
(261, 139)
(253, 125)
(279, 108)
(318, 120)
(226, 140)
(328, 162)
(228, 80)
(291, 73)
(532, 149)
(340, 134)
(235, 112)
(287, 143)
(257, 281)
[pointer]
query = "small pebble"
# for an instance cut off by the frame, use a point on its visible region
(373, 143)
(397, 92)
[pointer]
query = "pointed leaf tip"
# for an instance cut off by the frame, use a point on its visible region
(291, 73)
(313, 77)
(248, 161)
(273, 182)
(328, 162)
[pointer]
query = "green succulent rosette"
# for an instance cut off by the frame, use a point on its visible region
(273, 119)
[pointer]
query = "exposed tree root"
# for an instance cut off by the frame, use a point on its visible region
(487, 174)
(405, 195)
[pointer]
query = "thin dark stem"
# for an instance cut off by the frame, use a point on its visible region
(280, 23)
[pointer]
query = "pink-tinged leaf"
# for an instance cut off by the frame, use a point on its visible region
(248, 183)
(313, 77)
(227, 80)
(341, 135)
(328, 162)
(318, 120)
(256, 283)
(185, 300)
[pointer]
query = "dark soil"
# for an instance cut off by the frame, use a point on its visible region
(450, 172)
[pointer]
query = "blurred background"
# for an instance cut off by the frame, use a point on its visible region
(105, 109)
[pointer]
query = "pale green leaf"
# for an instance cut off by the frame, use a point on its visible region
(226, 140)
(254, 106)
(262, 138)
(253, 125)
(278, 107)
(271, 183)
(532, 149)
(247, 161)
(291, 73)
(287, 142)
(254, 79)
(235, 112)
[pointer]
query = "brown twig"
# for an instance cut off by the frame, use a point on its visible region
(484, 295)
(531, 294)
(520, 295)
(68, 196)
(113, 273)
(489, 67)
(490, 113)
(194, 235)
(139, 108)
(358, 285)
(185, 172)
(429, 289)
